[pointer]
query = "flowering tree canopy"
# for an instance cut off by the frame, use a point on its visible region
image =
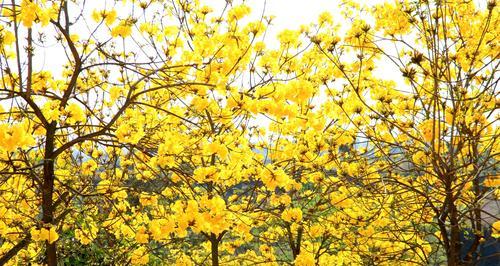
(173, 132)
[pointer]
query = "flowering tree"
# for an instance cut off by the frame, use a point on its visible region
(63, 129)
(166, 132)
(434, 135)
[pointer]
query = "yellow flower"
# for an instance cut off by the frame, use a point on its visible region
(200, 103)
(149, 28)
(74, 114)
(148, 200)
(316, 230)
(31, 12)
(89, 167)
(50, 235)
(96, 15)
(42, 81)
(124, 29)
(139, 256)
(238, 12)
(183, 260)
(213, 218)
(392, 19)
(15, 136)
(206, 174)
(51, 110)
(304, 259)
(492, 181)
(141, 236)
(292, 215)
(325, 17)
(28, 13)
(80, 236)
(274, 178)
(86, 235)
(289, 37)
(6, 36)
(426, 129)
(44, 16)
(216, 148)
(114, 93)
(420, 157)
(126, 231)
(128, 134)
(110, 17)
(496, 229)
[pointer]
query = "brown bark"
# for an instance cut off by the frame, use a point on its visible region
(214, 241)
(453, 252)
(48, 191)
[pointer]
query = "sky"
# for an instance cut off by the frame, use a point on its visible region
(293, 13)
(289, 14)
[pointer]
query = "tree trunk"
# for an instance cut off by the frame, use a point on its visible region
(455, 245)
(48, 191)
(215, 249)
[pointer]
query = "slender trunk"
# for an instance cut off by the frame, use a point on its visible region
(215, 249)
(300, 231)
(294, 245)
(476, 218)
(455, 245)
(47, 192)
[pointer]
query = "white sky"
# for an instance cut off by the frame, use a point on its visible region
(289, 14)
(293, 13)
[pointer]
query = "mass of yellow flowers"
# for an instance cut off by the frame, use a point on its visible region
(189, 132)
